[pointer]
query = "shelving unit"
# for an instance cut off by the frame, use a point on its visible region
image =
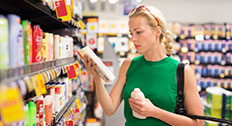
(40, 14)
(37, 13)
(28, 70)
(64, 109)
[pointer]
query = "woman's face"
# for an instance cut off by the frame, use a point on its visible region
(142, 34)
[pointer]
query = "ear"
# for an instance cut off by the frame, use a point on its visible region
(157, 31)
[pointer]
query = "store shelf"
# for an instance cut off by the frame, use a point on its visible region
(27, 70)
(63, 110)
(36, 12)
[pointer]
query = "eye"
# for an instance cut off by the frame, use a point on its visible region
(138, 32)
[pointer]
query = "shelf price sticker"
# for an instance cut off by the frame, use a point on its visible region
(60, 7)
(78, 68)
(41, 84)
(71, 71)
(36, 86)
(10, 104)
(69, 123)
(78, 103)
(76, 114)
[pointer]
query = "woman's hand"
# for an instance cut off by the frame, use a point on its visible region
(146, 108)
(89, 64)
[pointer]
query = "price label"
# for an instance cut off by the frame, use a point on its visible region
(78, 103)
(71, 71)
(11, 105)
(41, 84)
(78, 68)
(76, 114)
(69, 123)
(29, 84)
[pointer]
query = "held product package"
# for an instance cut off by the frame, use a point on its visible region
(101, 69)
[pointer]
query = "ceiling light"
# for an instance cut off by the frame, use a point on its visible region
(93, 1)
(113, 1)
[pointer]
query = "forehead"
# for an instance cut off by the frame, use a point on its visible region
(136, 22)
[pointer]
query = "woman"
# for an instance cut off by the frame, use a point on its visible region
(153, 72)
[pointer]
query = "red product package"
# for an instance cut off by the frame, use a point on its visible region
(37, 37)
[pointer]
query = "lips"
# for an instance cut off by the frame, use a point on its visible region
(137, 46)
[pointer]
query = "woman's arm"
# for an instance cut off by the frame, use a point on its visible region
(108, 102)
(192, 101)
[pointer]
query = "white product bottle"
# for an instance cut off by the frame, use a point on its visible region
(138, 94)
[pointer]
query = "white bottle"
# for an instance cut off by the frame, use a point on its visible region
(138, 94)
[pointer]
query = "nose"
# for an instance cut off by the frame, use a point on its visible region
(133, 38)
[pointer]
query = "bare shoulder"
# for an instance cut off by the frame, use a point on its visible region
(190, 79)
(125, 65)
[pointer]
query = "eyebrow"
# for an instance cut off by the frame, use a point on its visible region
(134, 29)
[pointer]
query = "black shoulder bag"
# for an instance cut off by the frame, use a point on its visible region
(180, 107)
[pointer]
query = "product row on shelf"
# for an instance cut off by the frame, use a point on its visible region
(50, 14)
(202, 31)
(217, 103)
(46, 97)
(25, 44)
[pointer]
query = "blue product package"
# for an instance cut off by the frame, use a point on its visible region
(213, 71)
(213, 44)
(203, 46)
(230, 45)
(189, 44)
(199, 45)
(204, 71)
(209, 71)
(209, 58)
(202, 58)
(206, 45)
(216, 45)
(228, 58)
(219, 58)
(197, 57)
(210, 46)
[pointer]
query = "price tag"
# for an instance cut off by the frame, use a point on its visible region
(41, 83)
(78, 103)
(76, 114)
(78, 68)
(69, 123)
(36, 86)
(71, 71)
(11, 105)
(29, 84)
(45, 77)
(61, 9)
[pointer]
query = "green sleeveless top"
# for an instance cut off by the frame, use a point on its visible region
(157, 80)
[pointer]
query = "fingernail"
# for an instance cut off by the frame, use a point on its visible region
(85, 55)
(95, 64)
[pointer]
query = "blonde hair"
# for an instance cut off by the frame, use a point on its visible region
(155, 18)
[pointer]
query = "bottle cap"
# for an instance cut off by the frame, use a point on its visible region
(136, 89)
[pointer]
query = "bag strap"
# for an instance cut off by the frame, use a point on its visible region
(180, 89)
(180, 100)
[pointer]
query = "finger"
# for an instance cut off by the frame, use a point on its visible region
(136, 101)
(134, 104)
(78, 52)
